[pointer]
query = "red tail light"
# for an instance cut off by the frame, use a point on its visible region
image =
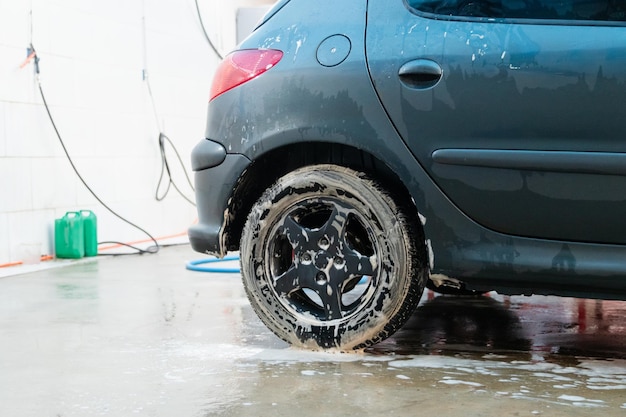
(242, 66)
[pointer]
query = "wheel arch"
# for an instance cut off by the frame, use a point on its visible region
(267, 168)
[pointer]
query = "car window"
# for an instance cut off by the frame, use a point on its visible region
(598, 10)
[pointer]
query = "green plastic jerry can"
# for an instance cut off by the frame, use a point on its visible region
(69, 236)
(90, 227)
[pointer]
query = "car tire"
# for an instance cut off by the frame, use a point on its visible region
(329, 260)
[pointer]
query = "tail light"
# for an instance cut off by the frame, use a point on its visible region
(242, 66)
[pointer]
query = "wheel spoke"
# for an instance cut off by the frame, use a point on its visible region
(296, 233)
(335, 227)
(331, 299)
(288, 282)
(296, 278)
(359, 265)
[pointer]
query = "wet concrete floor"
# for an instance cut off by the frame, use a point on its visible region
(141, 335)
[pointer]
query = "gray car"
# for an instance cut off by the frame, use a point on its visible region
(358, 151)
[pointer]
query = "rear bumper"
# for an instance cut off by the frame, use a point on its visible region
(214, 186)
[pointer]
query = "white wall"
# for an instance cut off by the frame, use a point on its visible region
(92, 54)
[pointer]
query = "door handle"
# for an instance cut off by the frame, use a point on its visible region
(420, 74)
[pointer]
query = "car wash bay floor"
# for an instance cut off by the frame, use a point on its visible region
(142, 335)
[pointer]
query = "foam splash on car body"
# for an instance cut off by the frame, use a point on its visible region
(440, 280)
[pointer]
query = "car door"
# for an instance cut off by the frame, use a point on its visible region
(515, 108)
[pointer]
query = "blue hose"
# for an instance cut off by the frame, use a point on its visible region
(195, 265)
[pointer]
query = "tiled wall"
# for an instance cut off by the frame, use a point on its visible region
(92, 58)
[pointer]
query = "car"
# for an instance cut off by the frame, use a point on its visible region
(357, 152)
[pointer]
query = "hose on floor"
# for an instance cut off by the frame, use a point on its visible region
(213, 265)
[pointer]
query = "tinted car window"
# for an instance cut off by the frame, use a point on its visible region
(602, 10)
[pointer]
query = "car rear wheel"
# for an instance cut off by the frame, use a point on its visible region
(330, 261)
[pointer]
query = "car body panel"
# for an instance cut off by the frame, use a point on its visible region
(300, 99)
(550, 94)
(214, 187)
(309, 98)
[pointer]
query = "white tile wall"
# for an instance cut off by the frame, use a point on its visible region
(29, 227)
(28, 131)
(92, 58)
(16, 179)
(16, 84)
(5, 250)
(14, 18)
(53, 183)
(3, 138)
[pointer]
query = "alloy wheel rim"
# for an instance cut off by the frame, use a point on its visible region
(322, 260)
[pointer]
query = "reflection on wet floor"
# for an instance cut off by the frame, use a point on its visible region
(527, 325)
(143, 336)
(487, 355)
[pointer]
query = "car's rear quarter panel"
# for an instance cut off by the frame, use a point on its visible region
(299, 101)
